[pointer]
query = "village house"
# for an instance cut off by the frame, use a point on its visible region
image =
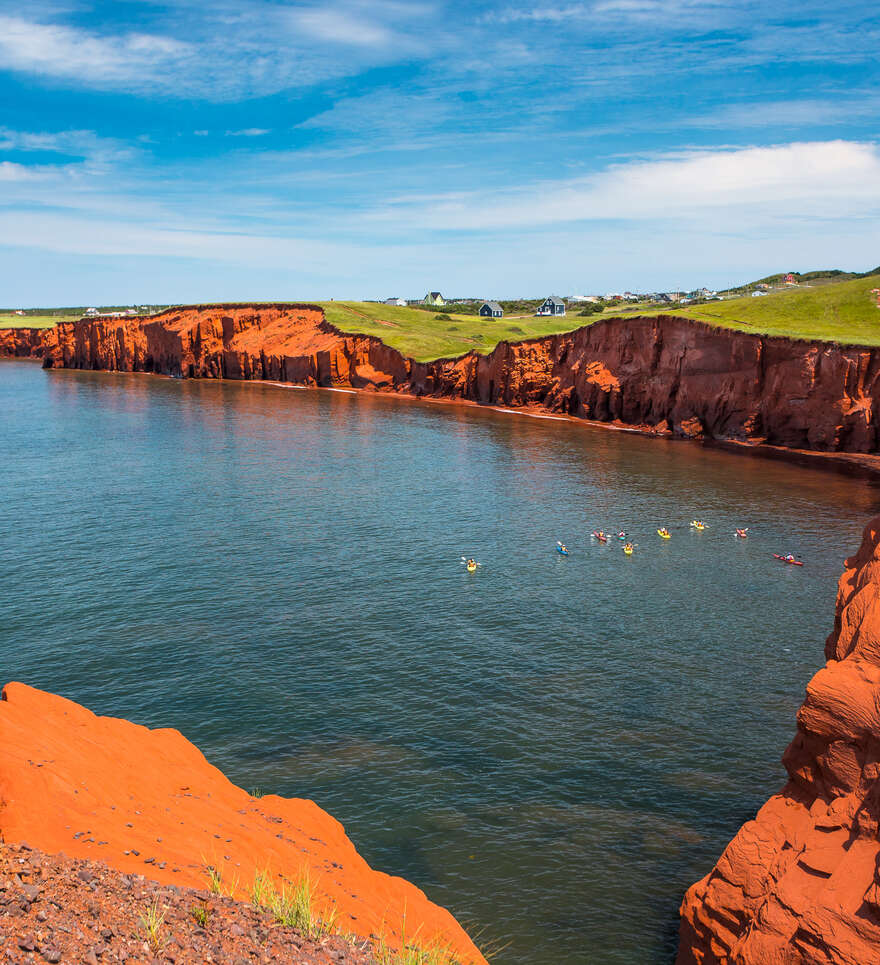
(759, 294)
(551, 306)
(790, 279)
(434, 298)
(491, 310)
(395, 301)
(91, 311)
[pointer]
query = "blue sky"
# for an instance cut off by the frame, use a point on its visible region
(188, 150)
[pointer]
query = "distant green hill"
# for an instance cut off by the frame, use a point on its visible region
(824, 276)
(841, 311)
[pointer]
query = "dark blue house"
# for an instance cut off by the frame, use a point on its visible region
(551, 306)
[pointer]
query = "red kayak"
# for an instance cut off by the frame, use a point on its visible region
(783, 559)
(602, 537)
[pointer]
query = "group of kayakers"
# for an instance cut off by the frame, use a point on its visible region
(663, 532)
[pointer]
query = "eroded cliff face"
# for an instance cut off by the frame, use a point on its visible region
(26, 342)
(664, 374)
(801, 883)
(147, 802)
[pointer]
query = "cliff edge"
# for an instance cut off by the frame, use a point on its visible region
(801, 883)
(662, 374)
(146, 802)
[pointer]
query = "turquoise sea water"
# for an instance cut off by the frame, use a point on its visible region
(554, 748)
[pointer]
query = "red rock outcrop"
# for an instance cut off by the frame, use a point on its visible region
(26, 342)
(801, 883)
(662, 374)
(147, 802)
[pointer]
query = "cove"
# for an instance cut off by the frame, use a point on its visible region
(552, 748)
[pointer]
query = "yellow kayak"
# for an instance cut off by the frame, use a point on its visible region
(663, 534)
(697, 525)
(628, 550)
(472, 567)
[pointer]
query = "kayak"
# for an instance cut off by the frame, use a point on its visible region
(472, 567)
(628, 550)
(782, 559)
(622, 537)
(601, 537)
(564, 552)
(700, 526)
(742, 533)
(663, 535)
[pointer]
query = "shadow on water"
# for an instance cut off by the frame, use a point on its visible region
(555, 748)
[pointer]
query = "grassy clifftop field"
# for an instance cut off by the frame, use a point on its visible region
(426, 335)
(843, 312)
(31, 321)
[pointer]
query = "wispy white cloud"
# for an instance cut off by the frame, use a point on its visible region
(9, 171)
(245, 132)
(342, 27)
(228, 50)
(802, 180)
(62, 52)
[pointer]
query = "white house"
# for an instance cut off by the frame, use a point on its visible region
(396, 301)
(551, 306)
(759, 294)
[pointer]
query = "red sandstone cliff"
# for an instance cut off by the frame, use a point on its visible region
(147, 802)
(26, 342)
(664, 374)
(801, 883)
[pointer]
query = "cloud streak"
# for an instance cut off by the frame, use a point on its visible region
(818, 180)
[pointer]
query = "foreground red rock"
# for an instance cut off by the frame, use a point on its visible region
(147, 802)
(801, 883)
(664, 374)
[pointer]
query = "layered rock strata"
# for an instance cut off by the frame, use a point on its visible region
(146, 802)
(801, 883)
(663, 374)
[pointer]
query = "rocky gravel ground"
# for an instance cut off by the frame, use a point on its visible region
(58, 909)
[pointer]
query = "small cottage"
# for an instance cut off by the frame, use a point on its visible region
(491, 310)
(396, 301)
(551, 306)
(434, 298)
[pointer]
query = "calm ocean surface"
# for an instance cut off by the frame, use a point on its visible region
(554, 748)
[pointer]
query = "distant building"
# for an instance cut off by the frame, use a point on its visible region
(759, 294)
(491, 310)
(551, 306)
(434, 298)
(91, 311)
(790, 279)
(19, 312)
(395, 301)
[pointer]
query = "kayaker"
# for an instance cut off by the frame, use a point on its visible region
(562, 548)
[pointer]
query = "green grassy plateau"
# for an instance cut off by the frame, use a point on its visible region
(32, 321)
(844, 312)
(438, 334)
